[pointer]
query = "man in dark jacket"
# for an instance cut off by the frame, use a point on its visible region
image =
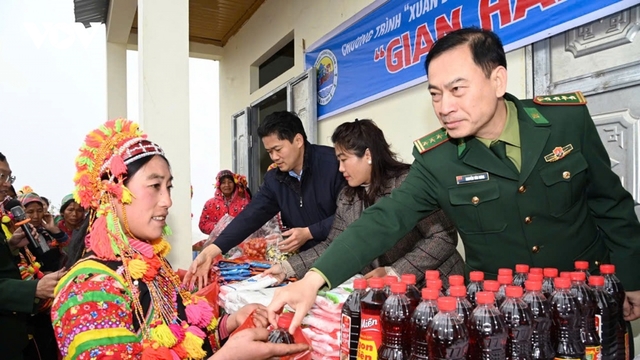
(303, 188)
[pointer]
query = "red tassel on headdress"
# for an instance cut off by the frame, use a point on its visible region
(118, 166)
(99, 241)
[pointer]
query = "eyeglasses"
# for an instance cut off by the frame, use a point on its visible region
(7, 178)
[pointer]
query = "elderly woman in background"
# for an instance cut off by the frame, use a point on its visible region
(71, 215)
(231, 197)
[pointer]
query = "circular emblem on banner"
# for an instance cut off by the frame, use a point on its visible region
(327, 71)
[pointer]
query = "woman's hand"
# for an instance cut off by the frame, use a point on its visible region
(277, 272)
(250, 344)
(49, 224)
(295, 238)
(239, 317)
(300, 295)
(198, 273)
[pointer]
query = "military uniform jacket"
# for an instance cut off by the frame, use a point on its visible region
(548, 215)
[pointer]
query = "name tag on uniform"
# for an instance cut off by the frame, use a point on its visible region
(465, 179)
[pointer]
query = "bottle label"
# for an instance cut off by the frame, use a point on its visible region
(345, 335)
(592, 352)
(598, 319)
(370, 337)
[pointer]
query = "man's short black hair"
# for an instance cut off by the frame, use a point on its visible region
(2, 157)
(486, 48)
(284, 124)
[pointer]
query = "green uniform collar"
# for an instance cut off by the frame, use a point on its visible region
(511, 132)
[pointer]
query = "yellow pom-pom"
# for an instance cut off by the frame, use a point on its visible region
(6, 219)
(126, 195)
(161, 247)
(213, 325)
(137, 268)
(163, 335)
(193, 345)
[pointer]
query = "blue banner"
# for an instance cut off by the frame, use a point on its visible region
(382, 51)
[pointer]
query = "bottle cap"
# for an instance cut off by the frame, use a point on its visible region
(505, 271)
(485, 297)
(376, 283)
(534, 277)
(505, 279)
(284, 321)
(436, 284)
(536, 271)
(514, 291)
(596, 280)
(432, 274)
(561, 283)
(522, 268)
(531, 285)
(578, 276)
(491, 285)
(390, 279)
(455, 280)
(360, 284)
(409, 279)
(476, 276)
(565, 274)
(581, 265)
(607, 269)
(446, 303)
(551, 272)
(430, 293)
(398, 288)
(458, 291)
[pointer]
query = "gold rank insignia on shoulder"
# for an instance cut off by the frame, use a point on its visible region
(431, 140)
(574, 98)
(558, 153)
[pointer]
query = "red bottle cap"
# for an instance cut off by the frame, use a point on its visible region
(360, 284)
(398, 288)
(536, 271)
(514, 291)
(409, 279)
(578, 276)
(476, 276)
(505, 271)
(522, 268)
(436, 284)
(533, 285)
(390, 279)
(596, 280)
(505, 279)
(284, 321)
(565, 274)
(534, 277)
(485, 297)
(551, 272)
(446, 303)
(562, 283)
(581, 265)
(458, 291)
(491, 285)
(430, 293)
(607, 269)
(376, 283)
(432, 274)
(455, 280)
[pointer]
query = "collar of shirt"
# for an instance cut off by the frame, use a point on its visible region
(511, 132)
(293, 174)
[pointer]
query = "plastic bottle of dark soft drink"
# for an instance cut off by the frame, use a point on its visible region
(388, 281)
(446, 334)
(607, 323)
(463, 306)
(455, 280)
(431, 275)
(350, 321)
(541, 348)
(566, 322)
(488, 331)
(396, 325)
(505, 271)
(370, 322)
(281, 335)
(420, 320)
(547, 283)
(492, 286)
(436, 284)
(536, 270)
(476, 278)
(501, 294)
(583, 266)
(413, 294)
(535, 277)
(588, 306)
(519, 320)
(521, 274)
(613, 286)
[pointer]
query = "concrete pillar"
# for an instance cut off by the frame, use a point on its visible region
(116, 80)
(163, 61)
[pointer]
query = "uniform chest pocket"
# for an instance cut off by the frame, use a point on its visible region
(565, 182)
(476, 208)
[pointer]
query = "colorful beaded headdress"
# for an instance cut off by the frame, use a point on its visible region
(101, 172)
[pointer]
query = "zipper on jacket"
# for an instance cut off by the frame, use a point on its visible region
(300, 201)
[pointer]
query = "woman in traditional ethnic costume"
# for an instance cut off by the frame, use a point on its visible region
(121, 299)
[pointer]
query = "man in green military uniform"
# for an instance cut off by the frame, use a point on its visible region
(524, 181)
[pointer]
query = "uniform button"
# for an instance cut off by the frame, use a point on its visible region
(527, 220)
(535, 249)
(522, 189)
(15, 313)
(475, 200)
(597, 263)
(566, 175)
